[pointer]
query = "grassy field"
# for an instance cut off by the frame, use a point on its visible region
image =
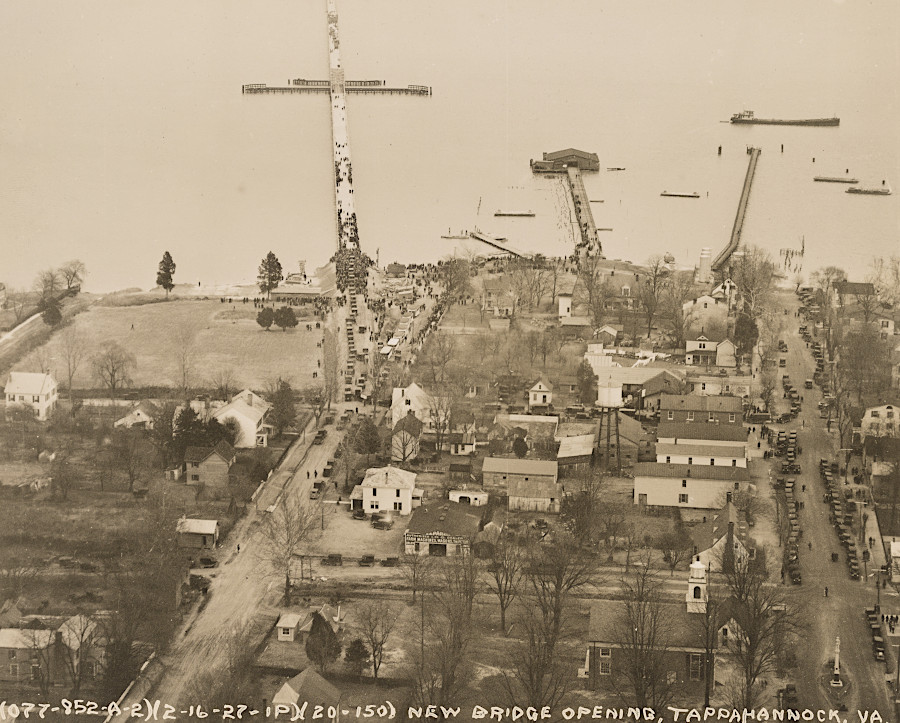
(220, 336)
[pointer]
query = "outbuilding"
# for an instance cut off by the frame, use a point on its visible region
(198, 534)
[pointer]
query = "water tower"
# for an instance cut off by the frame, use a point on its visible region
(609, 401)
(704, 273)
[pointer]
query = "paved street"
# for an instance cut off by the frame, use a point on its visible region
(841, 613)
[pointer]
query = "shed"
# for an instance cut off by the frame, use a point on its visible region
(198, 534)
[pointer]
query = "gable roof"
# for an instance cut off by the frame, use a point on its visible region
(634, 376)
(449, 518)
(197, 527)
(29, 383)
(200, 454)
(24, 638)
(680, 627)
(410, 424)
(693, 471)
(565, 153)
(703, 450)
(514, 465)
(245, 404)
(695, 403)
(578, 446)
(857, 288)
(701, 431)
(542, 384)
(307, 687)
(389, 477)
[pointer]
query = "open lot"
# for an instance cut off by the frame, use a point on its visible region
(219, 337)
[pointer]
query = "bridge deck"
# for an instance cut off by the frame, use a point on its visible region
(738, 227)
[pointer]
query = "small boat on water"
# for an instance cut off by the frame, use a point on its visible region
(460, 235)
(514, 213)
(615, 168)
(836, 179)
(677, 194)
(596, 200)
(877, 191)
(747, 117)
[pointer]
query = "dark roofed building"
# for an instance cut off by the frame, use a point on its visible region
(700, 432)
(209, 466)
(557, 161)
(692, 408)
(854, 288)
(441, 528)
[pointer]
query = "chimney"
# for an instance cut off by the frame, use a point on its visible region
(727, 501)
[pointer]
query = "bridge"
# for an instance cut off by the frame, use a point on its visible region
(738, 227)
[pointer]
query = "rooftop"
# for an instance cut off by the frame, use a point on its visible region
(29, 383)
(580, 446)
(703, 450)
(389, 477)
(693, 471)
(197, 527)
(514, 465)
(679, 628)
(702, 431)
(694, 403)
(448, 518)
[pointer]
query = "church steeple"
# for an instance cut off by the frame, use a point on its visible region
(697, 594)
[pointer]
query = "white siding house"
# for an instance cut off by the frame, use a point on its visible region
(32, 390)
(387, 489)
(248, 411)
(683, 485)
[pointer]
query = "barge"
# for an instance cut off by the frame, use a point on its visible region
(836, 179)
(748, 117)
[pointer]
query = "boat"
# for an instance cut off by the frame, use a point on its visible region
(676, 194)
(878, 191)
(748, 117)
(514, 213)
(615, 168)
(459, 236)
(836, 179)
(596, 200)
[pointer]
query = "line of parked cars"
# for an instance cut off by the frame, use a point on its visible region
(335, 560)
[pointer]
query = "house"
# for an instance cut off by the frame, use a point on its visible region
(575, 454)
(690, 408)
(140, 416)
(576, 327)
(713, 386)
(883, 421)
(707, 312)
(248, 411)
(198, 534)
(715, 455)
(710, 434)
(850, 291)
(10, 613)
(612, 643)
(459, 443)
(641, 384)
(476, 498)
(691, 486)
(497, 298)
(500, 472)
(441, 528)
(405, 438)
(541, 394)
(386, 488)
(880, 454)
(32, 390)
(719, 540)
(564, 299)
(460, 470)
(608, 334)
(309, 689)
(209, 466)
(427, 407)
(533, 494)
(287, 627)
(560, 160)
(706, 349)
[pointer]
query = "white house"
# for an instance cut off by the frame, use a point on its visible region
(140, 416)
(720, 532)
(880, 422)
(386, 488)
(684, 485)
(541, 394)
(702, 350)
(713, 386)
(705, 311)
(33, 390)
(704, 433)
(248, 411)
(565, 304)
(412, 399)
(702, 454)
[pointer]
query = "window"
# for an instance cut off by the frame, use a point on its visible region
(702, 345)
(684, 483)
(712, 417)
(890, 415)
(712, 461)
(13, 670)
(730, 417)
(195, 477)
(690, 416)
(734, 463)
(668, 460)
(35, 672)
(682, 499)
(705, 305)
(698, 593)
(695, 666)
(195, 464)
(35, 399)
(605, 655)
(374, 492)
(398, 506)
(417, 547)
(670, 415)
(12, 654)
(875, 414)
(737, 486)
(398, 493)
(373, 505)
(690, 460)
(703, 386)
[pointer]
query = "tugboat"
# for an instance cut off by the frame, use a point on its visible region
(836, 179)
(747, 117)
(677, 194)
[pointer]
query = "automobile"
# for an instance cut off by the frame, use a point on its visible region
(314, 493)
(366, 561)
(207, 562)
(329, 468)
(320, 436)
(333, 560)
(782, 363)
(199, 582)
(359, 514)
(808, 384)
(390, 562)
(383, 524)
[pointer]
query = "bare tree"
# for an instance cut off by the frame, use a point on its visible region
(417, 570)
(286, 531)
(376, 622)
(62, 474)
(73, 273)
(505, 574)
(611, 521)
(438, 355)
(676, 546)
(224, 382)
(128, 448)
(652, 287)
(886, 279)
(113, 366)
(48, 284)
(754, 274)
(40, 643)
(74, 350)
(769, 625)
(80, 650)
(17, 302)
(455, 273)
(185, 355)
(643, 632)
(678, 320)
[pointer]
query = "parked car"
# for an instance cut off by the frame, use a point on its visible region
(208, 562)
(390, 562)
(320, 436)
(359, 514)
(333, 560)
(385, 523)
(366, 561)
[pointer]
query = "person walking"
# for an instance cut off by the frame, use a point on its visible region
(826, 591)
(307, 474)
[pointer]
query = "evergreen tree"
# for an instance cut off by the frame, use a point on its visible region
(265, 318)
(322, 645)
(164, 275)
(356, 656)
(285, 318)
(51, 313)
(587, 383)
(269, 274)
(366, 439)
(281, 395)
